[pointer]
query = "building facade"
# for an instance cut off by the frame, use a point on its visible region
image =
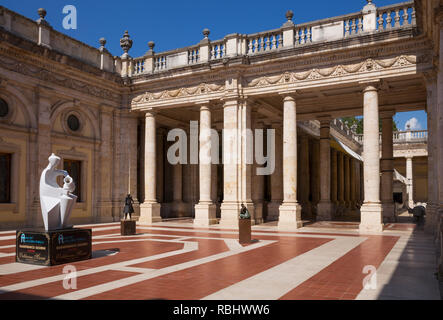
(110, 119)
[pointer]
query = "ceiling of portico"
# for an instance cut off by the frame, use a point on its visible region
(399, 94)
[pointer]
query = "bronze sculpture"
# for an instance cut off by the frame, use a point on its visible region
(128, 209)
(244, 213)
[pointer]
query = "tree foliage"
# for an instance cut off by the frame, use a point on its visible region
(350, 121)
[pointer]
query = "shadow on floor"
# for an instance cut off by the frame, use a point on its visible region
(410, 273)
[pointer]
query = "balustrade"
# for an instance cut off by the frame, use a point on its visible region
(263, 42)
(387, 18)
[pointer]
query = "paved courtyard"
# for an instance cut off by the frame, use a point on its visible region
(173, 260)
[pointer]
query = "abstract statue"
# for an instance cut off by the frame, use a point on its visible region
(56, 202)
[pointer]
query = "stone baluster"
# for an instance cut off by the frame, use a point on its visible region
(347, 27)
(405, 16)
(389, 20)
(413, 17)
(354, 26)
(397, 18)
(381, 22)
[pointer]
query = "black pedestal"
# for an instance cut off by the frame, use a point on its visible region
(244, 230)
(127, 227)
(48, 248)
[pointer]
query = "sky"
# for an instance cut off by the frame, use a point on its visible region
(179, 23)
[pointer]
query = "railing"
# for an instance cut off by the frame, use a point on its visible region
(264, 41)
(410, 136)
(385, 19)
(217, 49)
(404, 136)
(342, 127)
(396, 16)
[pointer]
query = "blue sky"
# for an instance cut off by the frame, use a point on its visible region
(173, 24)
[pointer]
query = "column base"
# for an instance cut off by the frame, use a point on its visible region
(258, 213)
(150, 212)
(325, 211)
(273, 210)
(205, 214)
(289, 216)
(388, 209)
(371, 218)
(229, 214)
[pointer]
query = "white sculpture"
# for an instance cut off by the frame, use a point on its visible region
(56, 202)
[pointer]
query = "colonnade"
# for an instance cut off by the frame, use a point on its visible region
(323, 184)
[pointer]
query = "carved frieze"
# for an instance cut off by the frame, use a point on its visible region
(368, 65)
(202, 89)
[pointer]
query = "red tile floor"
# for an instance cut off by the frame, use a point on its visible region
(176, 261)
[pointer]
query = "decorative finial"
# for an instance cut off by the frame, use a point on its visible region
(289, 15)
(42, 13)
(151, 45)
(102, 41)
(369, 1)
(206, 32)
(125, 42)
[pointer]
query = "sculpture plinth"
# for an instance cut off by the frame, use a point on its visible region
(48, 248)
(58, 242)
(244, 230)
(127, 227)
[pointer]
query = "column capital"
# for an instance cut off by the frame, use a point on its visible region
(370, 85)
(288, 94)
(150, 113)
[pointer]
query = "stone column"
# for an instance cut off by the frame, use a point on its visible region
(432, 111)
(290, 210)
(340, 183)
(347, 187)
(205, 209)
(247, 155)
(439, 144)
(357, 183)
(371, 215)
(259, 180)
(231, 143)
(325, 207)
(150, 208)
(352, 173)
(160, 164)
(277, 175)
(387, 167)
(315, 176)
(304, 176)
(334, 180)
(178, 204)
(409, 177)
